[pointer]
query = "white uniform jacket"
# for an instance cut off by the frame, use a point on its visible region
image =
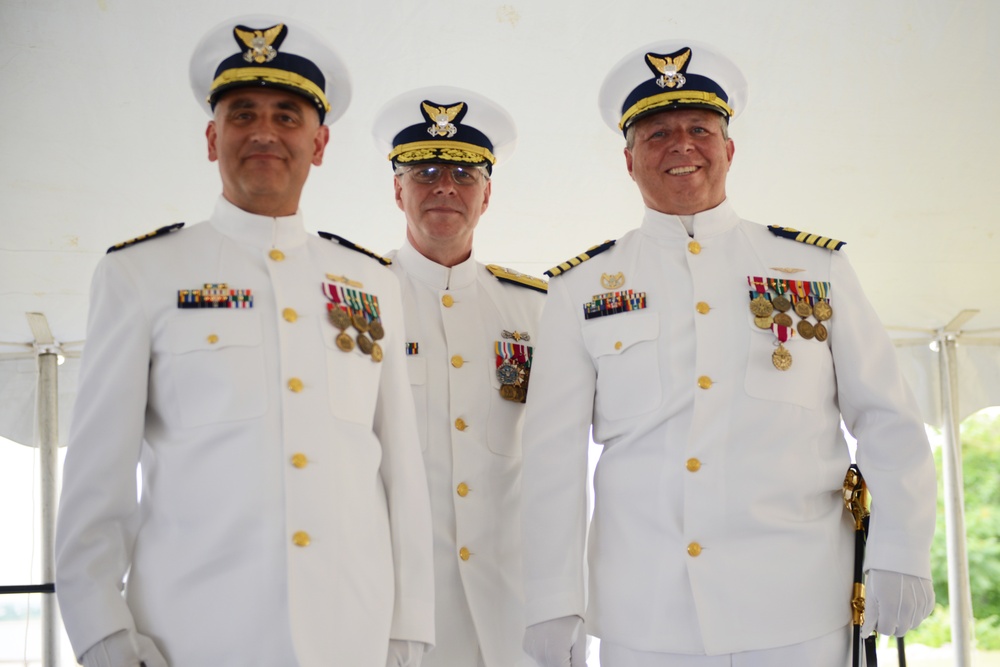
(718, 521)
(455, 318)
(284, 517)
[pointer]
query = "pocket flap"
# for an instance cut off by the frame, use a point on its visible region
(618, 333)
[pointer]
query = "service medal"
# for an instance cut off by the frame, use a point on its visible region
(802, 308)
(781, 304)
(359, 321)
(507, 373)
(761, 307)
(376, 352)
(822, 311)
(781, 358)
(806, 329)
(784, 319)
(376, 330)
(345, 342)
(340, 318)
(763, 322)
(365, 343)
(820, 332)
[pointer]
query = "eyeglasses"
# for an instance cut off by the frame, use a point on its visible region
(429, 174)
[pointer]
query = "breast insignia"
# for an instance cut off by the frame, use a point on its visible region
(559, 269)
(162, 231)
(354, 246)
(515, 278)
(806, 237)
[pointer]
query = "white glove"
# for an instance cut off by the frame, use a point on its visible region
(560, 642)
(895, 603)
(405, 653)
(125, 648)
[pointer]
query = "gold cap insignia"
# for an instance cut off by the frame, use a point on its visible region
(262, 45)
(441, 119)
(670, 67)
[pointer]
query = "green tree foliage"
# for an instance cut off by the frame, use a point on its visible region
(980, 436)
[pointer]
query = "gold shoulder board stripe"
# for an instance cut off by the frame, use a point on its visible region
(806, 237)
(579, 259)
(162, 231)
(353, 246)
(515, 278)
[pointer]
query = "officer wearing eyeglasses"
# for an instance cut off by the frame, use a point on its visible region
(470, 332)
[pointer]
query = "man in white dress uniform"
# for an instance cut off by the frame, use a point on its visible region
(715, 358)
(470, 332)
(256, 373)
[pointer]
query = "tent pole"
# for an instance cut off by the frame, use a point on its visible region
(48, 430)
(959, 595)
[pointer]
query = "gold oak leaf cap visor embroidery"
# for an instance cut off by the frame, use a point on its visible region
(262, 50)
(671, 74)
(444, 124)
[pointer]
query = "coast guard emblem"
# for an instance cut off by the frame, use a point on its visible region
(262, 45)
(670, 67)
(443, 118)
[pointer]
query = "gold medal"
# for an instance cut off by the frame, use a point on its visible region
(784, 319)
(802, 308)
(376, 352)
(365, 343)
(763, 322)
(340, 318)
(820, 332)
(508, 392)
(359, 322)
(822, 311)
(806, 329)
(761, 307)
(345, 342)
(782, 358)
(375, 330)
(781, 304)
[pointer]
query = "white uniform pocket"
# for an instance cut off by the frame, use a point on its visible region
(506, 418)
(806, 383)
(417, 369)
(353, 379)
(624, 349)
(216, 365)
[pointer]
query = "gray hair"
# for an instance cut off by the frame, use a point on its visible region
(630, 132)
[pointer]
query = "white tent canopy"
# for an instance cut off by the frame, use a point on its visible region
(866, 122)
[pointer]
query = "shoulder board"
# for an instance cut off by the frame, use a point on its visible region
(806, 237)
(579, 259)
(354, 246)
(515, 278)
(162, 231)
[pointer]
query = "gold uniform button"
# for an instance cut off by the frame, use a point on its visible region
(457, 361)
(213, 339)
(694, 550)
(300, 460)
(289, 314)
(295, 385)
(464, 553)
(704, 382)
(276, 255)
(694, 247)
(463, 489)
(618, 345)
(694, 465)
(301, 539)
(702, 307)
(460, 424)
(448, 301)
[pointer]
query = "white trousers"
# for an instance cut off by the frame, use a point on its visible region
(832, 650)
